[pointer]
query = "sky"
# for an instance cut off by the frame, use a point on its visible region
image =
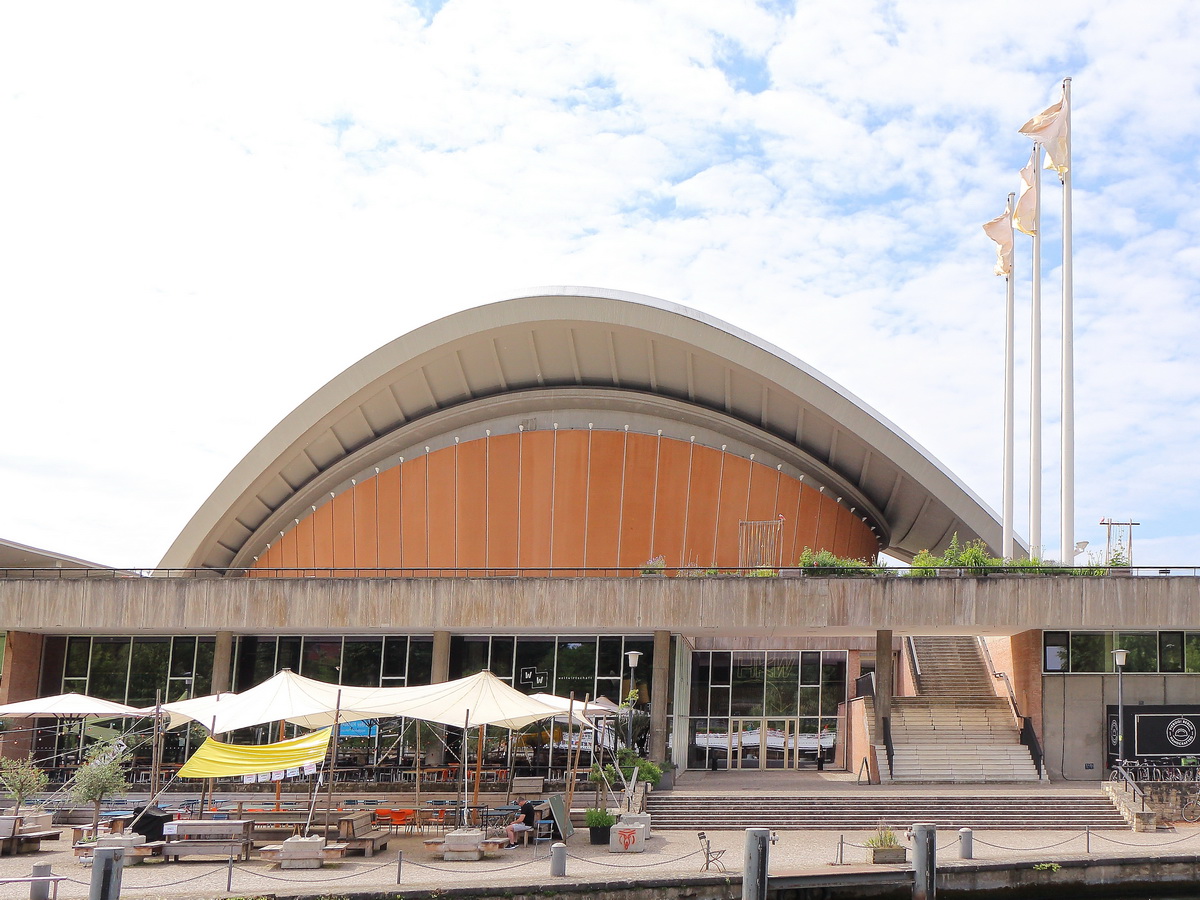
(209, 210)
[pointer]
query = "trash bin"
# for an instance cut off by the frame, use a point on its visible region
(149, 822)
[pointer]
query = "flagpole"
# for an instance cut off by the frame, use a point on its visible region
(1068, 354)
(1006, 546)
(1035, 369)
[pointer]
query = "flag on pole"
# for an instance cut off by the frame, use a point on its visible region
(1025, 213)
(1000, 230)
(1050, 129)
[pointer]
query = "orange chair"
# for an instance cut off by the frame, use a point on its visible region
(383, 817)
(404, 818)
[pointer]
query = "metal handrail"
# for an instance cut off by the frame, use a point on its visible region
(1018, 719)
(912, 655)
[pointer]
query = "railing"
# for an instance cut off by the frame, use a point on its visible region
(887, 744)
(864, 685)
(1122, 776)
(1029, 739)
(912, 656)
(48, 572)
(1018, 719)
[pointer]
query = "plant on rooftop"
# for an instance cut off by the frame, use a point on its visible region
(825, 562)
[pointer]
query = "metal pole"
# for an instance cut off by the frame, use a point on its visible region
(1035, 370)
(1120, 715)
(755, 858)
(1006, 541)
(107, 865)
(229, 874)
(1068, 355)
(399, 865)
(924, 861)
(558, 859)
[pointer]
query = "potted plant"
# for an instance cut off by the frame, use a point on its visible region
(884, 847)
(599, 823)
(101, 776)
(656, 565)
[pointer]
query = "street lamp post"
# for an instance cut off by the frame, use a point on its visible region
(632, 656)
(1119, 661)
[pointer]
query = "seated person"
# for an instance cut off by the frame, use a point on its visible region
(526, 820)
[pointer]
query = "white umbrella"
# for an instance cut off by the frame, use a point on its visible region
(67, 706)
(487, 700)
(563, 704)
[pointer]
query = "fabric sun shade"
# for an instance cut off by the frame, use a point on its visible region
(563, 705)
(68, 706)
(217, 760)
(312, 704)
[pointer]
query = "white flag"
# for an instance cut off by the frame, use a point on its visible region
(1000, 230)
(1050, 128)
(1025, 213)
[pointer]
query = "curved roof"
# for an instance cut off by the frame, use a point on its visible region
(581, 355)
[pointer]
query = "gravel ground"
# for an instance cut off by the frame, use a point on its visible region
(667, 854)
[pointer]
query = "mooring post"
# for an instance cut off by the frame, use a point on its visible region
(558, 859)
(1088, 832)
(107, 865)
(966, 843)
(924, 837)
(754, 864)
(399, 865)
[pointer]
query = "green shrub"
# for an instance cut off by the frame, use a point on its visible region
(599, 818)
(825, 562)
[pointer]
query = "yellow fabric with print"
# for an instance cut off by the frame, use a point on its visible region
(217, 760)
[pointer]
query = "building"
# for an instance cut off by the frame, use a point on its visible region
(486, 491)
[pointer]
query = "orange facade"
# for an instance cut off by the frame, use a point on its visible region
(564, 499)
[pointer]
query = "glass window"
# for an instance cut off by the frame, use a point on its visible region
(782, 677)
(1143, 650)
(1057, 654)
(1192, 651)
(183, 657)
(502, 657)
(645, 667)
(468, 656)
(718, 704)
(288, 656)
(206, 648)
(810, 667)
(722, 667)
(420, 661)
(322, 659)
(1170, 651)
(701, 662)
(746, 695)
(255, 661)
(833, 681)
(535, 665)
(395, 657)
(148, 669)
(576, 669)
(361, 658)
(110, 668)
(79, 649)
(609, 661)
(1091, 651)
(810, 699)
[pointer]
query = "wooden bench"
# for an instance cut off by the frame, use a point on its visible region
(528, 786)
(275, 853)
(208, 837)
(358, 832)
(487, 845)
(27, 842)
(86, 850)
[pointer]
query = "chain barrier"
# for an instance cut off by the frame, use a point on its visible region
(159, 884)
(1186, 837)
(980, 840)
(418, 865)
(596, 862)
(354, 874)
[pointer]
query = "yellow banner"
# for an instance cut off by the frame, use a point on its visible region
(217, 760)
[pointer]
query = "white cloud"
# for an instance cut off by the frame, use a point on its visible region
(211, 211)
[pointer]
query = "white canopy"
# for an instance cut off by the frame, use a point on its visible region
(67, 706)
(312, 704)
(594, 710)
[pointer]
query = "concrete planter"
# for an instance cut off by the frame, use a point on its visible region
(887, 855)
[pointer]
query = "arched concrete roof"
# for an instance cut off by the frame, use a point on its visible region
(578, 356)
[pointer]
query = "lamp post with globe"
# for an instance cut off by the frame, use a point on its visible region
(1119, 657)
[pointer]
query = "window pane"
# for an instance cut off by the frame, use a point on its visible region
(645, 668)
(722, 667)
(206, 649)
(746, 697)
(535, 665)
(502, 657)
(183, 657)
(360, 661)
(1143, 650)
(420, 661)
(782, 683)
(1091, 651)
(78, 650)
(577, 669)
(468, 655)
(288, 656)
(1170, 651)
(255, 662)
(810, 667)
(110, 668)
(809, 701)
(719, 701)
(1056, 656)
(395, 657)
(148, 669)
(1192, 651)
(701, 661)
(610, 663)
(322, 657)
(833, 681)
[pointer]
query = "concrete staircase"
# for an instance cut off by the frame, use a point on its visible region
(956, 729)
(859, 811)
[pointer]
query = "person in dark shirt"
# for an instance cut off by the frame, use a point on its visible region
(526, 820)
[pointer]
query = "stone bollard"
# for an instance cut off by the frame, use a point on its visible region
(558, 859)
(40, 890)
(107, 865)
(966, 843)
(924, 838)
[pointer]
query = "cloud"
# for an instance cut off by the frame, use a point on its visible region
(209, 213)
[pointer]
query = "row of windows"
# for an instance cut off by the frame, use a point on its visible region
(1148, 651)
(768, 683)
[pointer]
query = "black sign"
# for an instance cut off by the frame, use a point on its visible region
(1166, 734)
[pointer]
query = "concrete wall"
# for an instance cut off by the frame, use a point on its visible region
(1073, 715)
(711, 607)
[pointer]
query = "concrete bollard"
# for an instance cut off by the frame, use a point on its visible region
(107, 865)
(40, 890)
(558, 859)
(754, 864)
(966, 843)
(924, 837)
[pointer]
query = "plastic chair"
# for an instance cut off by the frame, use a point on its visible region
(711, 857)
(383, 817)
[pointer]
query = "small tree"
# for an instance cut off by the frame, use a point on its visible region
(21, 778)
(101, 776)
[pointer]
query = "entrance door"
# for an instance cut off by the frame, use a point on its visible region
(745, 743)
(765, 744)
